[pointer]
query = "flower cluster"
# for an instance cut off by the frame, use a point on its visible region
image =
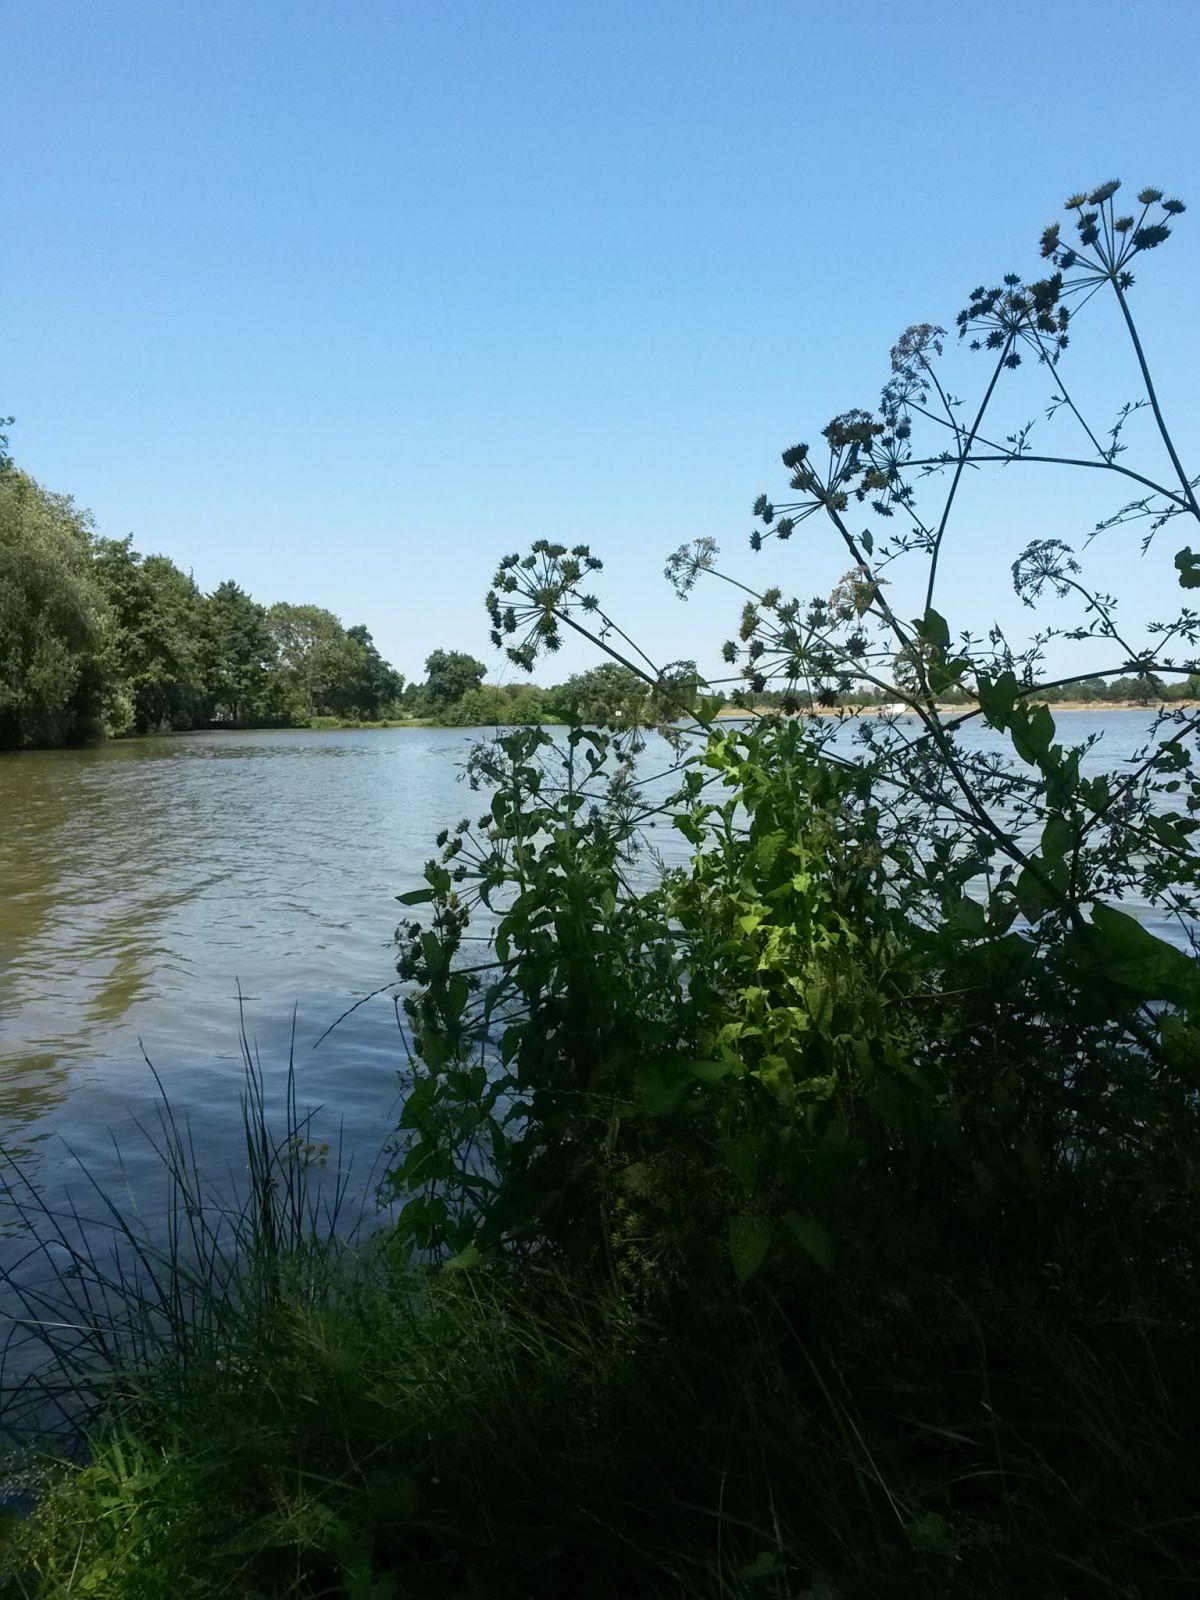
(1015, 313)
(1108, 240)
(531, 595)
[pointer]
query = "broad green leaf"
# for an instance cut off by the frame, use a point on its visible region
(661, 1087)
(997, 699)
(749, 1241)
(1031, 732)
(968, 918)
(710, 1071)
(1130, 955)
(934, 627)
(765, 1565)
(1034, 896)
(415, 897)
(1057, 838)
(465, 1259)
(813, 1237)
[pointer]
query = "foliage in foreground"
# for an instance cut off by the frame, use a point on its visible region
(892, 1001)
(515, 1435)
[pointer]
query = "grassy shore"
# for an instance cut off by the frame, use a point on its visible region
(271, 1410)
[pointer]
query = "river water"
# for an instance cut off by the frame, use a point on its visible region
(144, 883)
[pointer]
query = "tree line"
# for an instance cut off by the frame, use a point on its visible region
(97, 639)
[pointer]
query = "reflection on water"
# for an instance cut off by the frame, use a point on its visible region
(143, 884)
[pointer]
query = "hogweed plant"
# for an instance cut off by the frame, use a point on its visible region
(893, 1005)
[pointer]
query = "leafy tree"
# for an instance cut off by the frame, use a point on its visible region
(330, 670)
(608, 694)
(450, 674)
(307, 640)
(156, 613)
(239, 655)
(379, 685)
(54, 644)
(495, 705)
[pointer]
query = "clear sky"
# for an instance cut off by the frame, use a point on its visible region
(344, 300)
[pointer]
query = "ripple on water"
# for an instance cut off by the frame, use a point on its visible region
(149, 884)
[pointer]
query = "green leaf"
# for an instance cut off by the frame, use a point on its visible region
(1031, 732)
(1059, 838)
(765, 1565)
(967, 917)
(945, 677)
(749, 1241)
(997, 699)
(1130, 955)
(415, 897)
(934, 627)
(710, 1071)
(813, 1237)
(661, 1087)
(464, 1260)
(1033, 895)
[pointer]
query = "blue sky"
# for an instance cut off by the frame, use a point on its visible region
(346, 300)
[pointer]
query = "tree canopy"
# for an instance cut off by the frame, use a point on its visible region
(97, 638)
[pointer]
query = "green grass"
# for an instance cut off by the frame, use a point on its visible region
(484, 1435)
(270, 1403)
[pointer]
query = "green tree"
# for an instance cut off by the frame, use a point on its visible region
(54, 644)
(607, 694)
(156, 615)
(330, 670)
(239, 655)
(379, 684)
(450, 674)
(307, 640)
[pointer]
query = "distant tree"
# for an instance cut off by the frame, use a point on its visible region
(379, 685)
(239, 655)
(1141, 690)
(501, 705)
(608, 693)
(307, 645)
(450, 674)
(329, 670)
(156, 620)
(54, 644)
(676, 693)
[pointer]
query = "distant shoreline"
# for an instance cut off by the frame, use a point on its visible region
(971, 708)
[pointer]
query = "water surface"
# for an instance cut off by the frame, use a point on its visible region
(142, 884)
